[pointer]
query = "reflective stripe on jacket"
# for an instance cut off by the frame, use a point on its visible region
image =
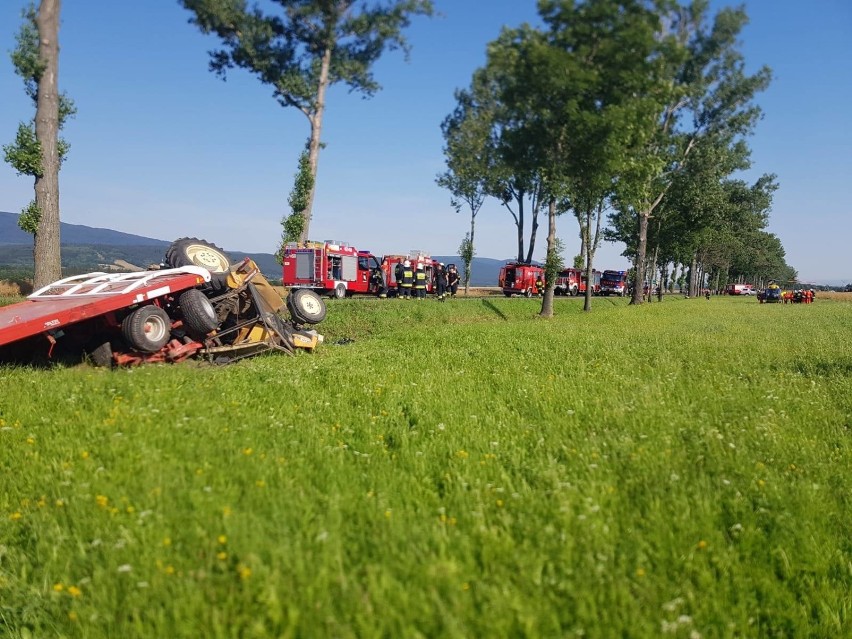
(407, 278)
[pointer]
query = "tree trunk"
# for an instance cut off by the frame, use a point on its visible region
(470, 265)
(641, 249)
(520, 224)
(547, 302)
(315, 119)
(46, 251)
(693, 276)
(533, 232)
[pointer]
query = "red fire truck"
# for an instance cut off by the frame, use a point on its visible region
(521, 279)
(614, 283)
(569, 282)
(416, 258)
(333, 268)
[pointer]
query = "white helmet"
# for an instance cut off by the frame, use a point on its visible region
(406, 263)
(420, 267)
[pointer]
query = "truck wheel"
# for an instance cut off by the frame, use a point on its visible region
(190, 251)
(305, 306)
(147, 329)
(198, 312)
(339, 291)
(574, 291)
(528, 292)
(101, 355)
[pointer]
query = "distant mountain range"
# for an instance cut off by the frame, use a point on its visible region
(87, 248)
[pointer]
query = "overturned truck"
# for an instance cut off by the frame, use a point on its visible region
(197, 305)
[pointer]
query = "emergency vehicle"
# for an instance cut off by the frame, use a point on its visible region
(332, 268)
(520, 279)
(614, 283)
(568, 282)
(739, 289)
(415, 258)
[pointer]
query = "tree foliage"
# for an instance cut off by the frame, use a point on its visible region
(38, 150)
(301, 47)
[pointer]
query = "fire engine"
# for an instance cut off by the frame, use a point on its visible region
(614, 283)
(739, 289)
(416, 258)
(333, 268)
(568, 282)
(521, 279)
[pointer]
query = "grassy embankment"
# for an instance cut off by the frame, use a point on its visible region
(460, 469)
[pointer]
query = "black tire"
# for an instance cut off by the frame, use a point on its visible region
(147, 329)
(339, 291)
(528, 292)
(575, 291)
(198, 312)
(507, 294)
(305, 306)
(190, 251)
(101, 355)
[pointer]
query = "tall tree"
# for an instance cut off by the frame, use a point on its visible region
(468, 150)
(708, 95)
(38, 150)
(305, 47)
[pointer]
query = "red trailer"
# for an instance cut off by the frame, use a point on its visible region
(333, 268)
(88, 311)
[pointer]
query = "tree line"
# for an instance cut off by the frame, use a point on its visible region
(631, 115)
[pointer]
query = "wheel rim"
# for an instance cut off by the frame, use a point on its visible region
(155, 329)
(206, 257)
(310, 306)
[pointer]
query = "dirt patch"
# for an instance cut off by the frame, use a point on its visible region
(833, 295)
(10, 289)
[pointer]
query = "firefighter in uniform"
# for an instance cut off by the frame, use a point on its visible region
(397, 275)
(539, 285)
(441, 282)
(452, 280)
(407, 279)
(420, 282)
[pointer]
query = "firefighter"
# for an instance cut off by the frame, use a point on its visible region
(441, 282)
(452, 280)
(539, 285)
(397, 272)
(407, 279)
(420, 282)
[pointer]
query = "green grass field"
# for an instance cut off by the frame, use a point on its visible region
(463, 469)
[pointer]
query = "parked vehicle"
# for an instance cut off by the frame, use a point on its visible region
(596, 283)
(739, 289)
(568, 282)
(521, 279)
(332, 268)
(167, 315)
(416, 258)
(614, 283)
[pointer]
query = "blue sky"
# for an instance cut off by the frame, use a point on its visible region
(163, 148)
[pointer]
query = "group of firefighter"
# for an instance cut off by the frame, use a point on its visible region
(412, 282)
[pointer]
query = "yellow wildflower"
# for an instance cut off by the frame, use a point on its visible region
(102, 500)
(58, 587)
(244, 571)
(74, 591)
(247, 451)
(15, 516)
(221, 556)
(72, 616)
(702, 545)
(167, 541)
(85, 454)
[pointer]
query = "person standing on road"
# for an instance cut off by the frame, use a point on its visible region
(420, 282)
(407, 280)
(441, 282)
(452, 280)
